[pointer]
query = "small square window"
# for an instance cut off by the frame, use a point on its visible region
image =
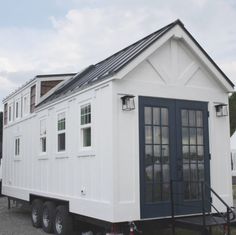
(61, 124)
(86, 114)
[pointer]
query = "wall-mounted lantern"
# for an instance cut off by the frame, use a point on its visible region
(221, 110)
(128, 102)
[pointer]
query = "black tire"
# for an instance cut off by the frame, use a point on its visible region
(48, 216)
(36, 213)
(63, 224)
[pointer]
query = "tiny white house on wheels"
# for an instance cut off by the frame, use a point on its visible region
(123, 140)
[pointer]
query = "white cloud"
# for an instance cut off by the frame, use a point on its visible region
(6, 84)
(230, 69)
(87, 35)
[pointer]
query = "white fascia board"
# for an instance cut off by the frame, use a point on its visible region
(54, 78)
(69, 97)
(178, 33)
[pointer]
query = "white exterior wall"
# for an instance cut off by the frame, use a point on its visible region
(109, 172)
(173, 72)
(64, 175)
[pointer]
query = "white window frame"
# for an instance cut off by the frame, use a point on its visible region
(19, 109)
(85, 126)
(26, 105)
(10, 113)
(17, 147)
(61, 131)
(43, 134)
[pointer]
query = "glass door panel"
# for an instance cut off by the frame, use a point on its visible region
(157, 164)
(192, 142)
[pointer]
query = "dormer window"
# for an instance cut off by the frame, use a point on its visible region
(46, 86)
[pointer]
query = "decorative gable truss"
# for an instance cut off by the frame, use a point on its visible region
(178, 59)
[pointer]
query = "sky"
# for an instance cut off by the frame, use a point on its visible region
(60, 36)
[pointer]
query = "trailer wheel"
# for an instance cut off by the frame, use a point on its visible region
(63, 224)
(36, 213)
(48, 216)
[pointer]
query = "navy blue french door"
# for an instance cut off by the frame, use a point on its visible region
(173, 147)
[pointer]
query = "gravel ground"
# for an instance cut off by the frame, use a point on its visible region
(16, 221)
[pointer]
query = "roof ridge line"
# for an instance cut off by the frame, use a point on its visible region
(178, 21)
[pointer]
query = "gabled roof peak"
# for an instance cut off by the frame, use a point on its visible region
(114, 63)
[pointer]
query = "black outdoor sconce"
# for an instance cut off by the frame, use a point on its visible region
(221, 110)
(128, 102)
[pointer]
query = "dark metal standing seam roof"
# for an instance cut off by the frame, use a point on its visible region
(116, 62)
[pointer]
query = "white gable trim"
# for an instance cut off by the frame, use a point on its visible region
(178, 33)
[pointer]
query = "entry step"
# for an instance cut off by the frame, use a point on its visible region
(197, 221)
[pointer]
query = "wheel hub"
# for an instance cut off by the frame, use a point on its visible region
(35, 215)
(58, 224)
(46, 219)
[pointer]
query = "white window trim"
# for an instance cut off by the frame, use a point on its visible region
(61, 154)
(86, 151)
(41, 153)
(10, 113)
(19, 109)
(18, 156)
(26, 107)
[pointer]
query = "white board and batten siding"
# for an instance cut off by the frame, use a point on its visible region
(65, 174)
(103, 181)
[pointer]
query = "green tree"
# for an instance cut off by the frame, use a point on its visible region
(232, 113)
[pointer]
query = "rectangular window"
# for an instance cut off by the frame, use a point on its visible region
(5, 113)
(43, 137)
(32, 98)
(17, 146)
(85, 122)
(17, 109)
(26, 105)
(61, 129)
(10, 112)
